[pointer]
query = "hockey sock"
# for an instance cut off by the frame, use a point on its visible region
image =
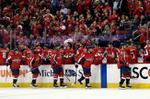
(33, 81)
(122, 81)
(127, 82)
(87, 81)
(55, 82)
(14, 80)
(61, 81)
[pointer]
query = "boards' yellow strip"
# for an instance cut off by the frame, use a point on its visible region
(134, 85)
(48, 85)
(94, 85)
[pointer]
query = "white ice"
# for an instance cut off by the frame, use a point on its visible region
(50, 93)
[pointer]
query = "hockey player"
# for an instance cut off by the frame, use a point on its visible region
(46, 55)
(14, 60)
(123, 65)
(98, 55)
(86, 60)
(132, 54)
(35, 61)
(80, 52)
(39, 50)
(56, 64)
(68, 54)
(111, 53)
(147, 53)
(26, 55)
(3, 55)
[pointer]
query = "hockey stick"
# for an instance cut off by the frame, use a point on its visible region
(75, 77)
(67, 78)
(81, 73)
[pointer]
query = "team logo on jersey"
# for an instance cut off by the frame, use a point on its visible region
(16, 60)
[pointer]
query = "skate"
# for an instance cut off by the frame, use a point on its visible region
(15, 85)
(88, 86)
(34, 85)
(122, 87)
(55, 86)
(63, 86)
(128, 86)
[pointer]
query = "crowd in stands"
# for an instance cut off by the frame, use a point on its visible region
(51, 22)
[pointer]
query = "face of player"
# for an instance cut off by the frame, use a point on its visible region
(132, 44)
(84, 50)
(89, 50)
(35, 51)
(16, 52)
(66, 47)
(57, 48)
(148, 45)
(110, 46)
(124, 46)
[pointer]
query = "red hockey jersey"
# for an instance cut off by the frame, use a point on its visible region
(68, 56)
(147, 53)
(123, 58)
(111, 54)
(79, 54)
(98, 55)
(47, 53)
(3, 56)
(88, 59)
(35, 60)
(132, 54)
(56, 58)
(15, 59)
(26, 56)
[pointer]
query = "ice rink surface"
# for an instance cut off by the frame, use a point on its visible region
(50, 93)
